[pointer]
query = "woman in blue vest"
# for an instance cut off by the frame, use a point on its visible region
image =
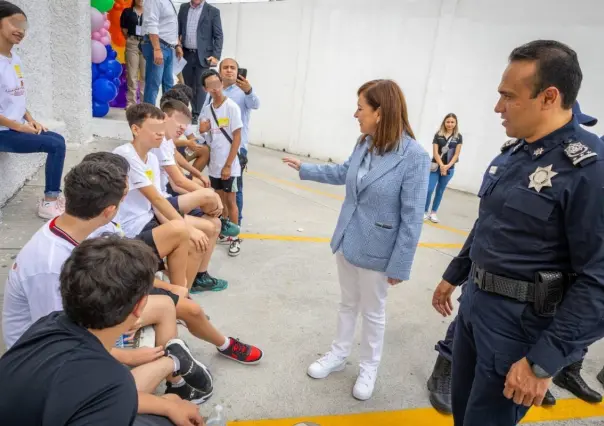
(378, 230)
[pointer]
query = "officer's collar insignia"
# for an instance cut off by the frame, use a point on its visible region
(509, 144)
(538, 152)
(578, 152)
(542, 177)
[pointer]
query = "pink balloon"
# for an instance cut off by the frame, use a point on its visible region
(103, 32)
(96, 36)
(107, 25)
(106, 40)
(96, 20)
(98, 52)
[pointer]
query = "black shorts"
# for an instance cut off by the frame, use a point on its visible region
(162, 292)
(197, 212)
(232, 184)
(171, 191)
(146, 236)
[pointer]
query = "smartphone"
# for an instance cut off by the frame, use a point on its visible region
(242, 73)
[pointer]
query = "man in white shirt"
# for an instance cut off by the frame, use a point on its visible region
(200, 31)
(160, 45)
(222, 119)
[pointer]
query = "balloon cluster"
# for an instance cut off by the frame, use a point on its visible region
(106, 71)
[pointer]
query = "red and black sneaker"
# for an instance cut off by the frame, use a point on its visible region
(240, 352)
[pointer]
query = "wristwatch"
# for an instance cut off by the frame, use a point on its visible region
(539, 372)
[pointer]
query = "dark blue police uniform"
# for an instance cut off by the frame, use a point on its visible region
(541, 209)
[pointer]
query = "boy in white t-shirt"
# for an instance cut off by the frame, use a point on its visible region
(222, 119)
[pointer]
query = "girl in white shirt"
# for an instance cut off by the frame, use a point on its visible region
(19, 132)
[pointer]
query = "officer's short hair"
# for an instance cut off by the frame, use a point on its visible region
(557, 66)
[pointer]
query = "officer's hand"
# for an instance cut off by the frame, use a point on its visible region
(441, 299)
(523, 386)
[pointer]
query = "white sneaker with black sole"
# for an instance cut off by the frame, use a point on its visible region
(235, 247)
(192, 371)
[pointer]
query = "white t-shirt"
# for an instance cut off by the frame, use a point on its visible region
(110, 228)
(136, 211)
(33, 289)
(12, 89)
(165, 156)
(229, 118)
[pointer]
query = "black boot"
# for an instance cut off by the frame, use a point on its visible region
(548, 399)
(570, 379)
(439, 385)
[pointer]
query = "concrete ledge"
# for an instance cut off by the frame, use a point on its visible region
(112, 126)
(17, 169)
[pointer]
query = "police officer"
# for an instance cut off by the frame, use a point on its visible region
(439, 383)
(535, 292)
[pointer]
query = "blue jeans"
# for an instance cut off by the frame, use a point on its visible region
(440, 183)
(49, 142)
(239, 195)
(156, 75)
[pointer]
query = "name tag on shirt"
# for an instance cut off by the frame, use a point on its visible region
(149, 174)
(223, 122)
(139, 30)
(18, 71)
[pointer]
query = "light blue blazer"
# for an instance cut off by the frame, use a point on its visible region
(381, 218)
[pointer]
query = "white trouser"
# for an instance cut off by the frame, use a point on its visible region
(363, 291)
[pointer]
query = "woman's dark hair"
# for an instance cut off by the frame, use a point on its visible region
(7, 9)
(443, 130)
(388, 97)
(104, 279)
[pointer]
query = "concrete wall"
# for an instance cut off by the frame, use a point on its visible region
(306, 59)
(56, 62)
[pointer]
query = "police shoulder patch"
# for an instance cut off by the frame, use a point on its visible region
(579, 153)
(509, 144)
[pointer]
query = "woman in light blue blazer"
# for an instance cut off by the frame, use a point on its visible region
(378, 230)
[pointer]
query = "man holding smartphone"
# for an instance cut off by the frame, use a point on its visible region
(200, 31)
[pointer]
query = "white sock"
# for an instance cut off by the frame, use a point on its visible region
(176, 363)
(226, 345)
(178, 384)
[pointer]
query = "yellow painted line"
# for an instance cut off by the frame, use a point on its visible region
(264, 176)
(565, 409)
(301, 239)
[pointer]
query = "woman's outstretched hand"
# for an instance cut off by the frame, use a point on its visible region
(294, 163)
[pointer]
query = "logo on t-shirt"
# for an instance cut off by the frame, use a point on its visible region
(18, 71)
(149, 174)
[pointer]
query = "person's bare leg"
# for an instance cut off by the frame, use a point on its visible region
(231, 203)
(195, 259)
(203, 158)
(211, 227)
(148, 376)
(225, 207)
(197, 322)
(172, 240)
(202, 198)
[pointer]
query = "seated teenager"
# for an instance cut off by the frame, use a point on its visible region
(19, 132)
(187, 310)
(66, 354)
(177, 93)
(145, 213)
(93, 192)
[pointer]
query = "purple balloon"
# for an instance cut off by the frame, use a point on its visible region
(98, 52)
(121, 100)
(97, 20)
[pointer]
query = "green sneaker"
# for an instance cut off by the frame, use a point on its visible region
(229, 229)
(206, 282)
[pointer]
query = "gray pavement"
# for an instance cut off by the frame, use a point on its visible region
(283, 297)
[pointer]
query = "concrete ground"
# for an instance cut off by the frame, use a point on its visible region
(283, 297)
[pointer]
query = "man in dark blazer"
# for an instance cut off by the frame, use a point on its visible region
(200, 32)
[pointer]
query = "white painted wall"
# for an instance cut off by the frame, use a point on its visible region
(56, 64)
(307, 58)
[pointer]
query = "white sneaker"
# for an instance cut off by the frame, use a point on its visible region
(426, 216)
(323, 367)
(363, 388)
(434, 218)
(235, 247)
(49, 209)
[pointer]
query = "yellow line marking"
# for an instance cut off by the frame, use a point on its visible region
(264, 176)
(565, 409)
(301, 239)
